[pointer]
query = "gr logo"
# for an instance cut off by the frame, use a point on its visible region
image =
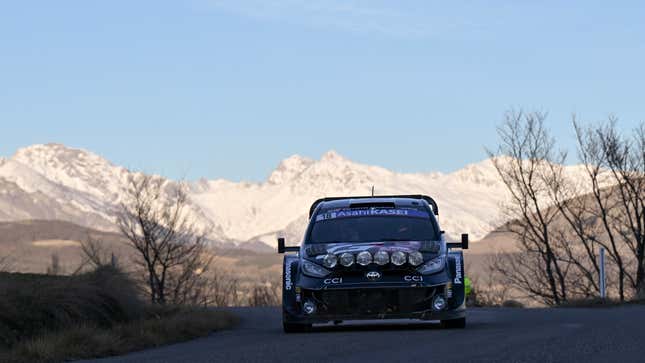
(413, 278)
(335, 281)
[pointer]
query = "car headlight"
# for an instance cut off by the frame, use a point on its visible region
(330, 261)
(313, 270)
(415, 258)
(399, 258)
(435, 265)
(364, 258)
(347, 259)
(382, 258)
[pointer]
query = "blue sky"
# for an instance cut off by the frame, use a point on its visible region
(229, 88)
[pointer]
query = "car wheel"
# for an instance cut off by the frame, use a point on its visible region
(454, 323)
(295, 328)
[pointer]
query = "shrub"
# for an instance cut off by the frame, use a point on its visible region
(31, 304)
(97, 314)
(512, 304)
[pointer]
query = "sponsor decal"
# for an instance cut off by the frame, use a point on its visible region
(347, 213)
(413, 279)
(373, 275)
(334, 281)
(288, 284)
(458, 275)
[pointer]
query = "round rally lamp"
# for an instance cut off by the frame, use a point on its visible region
(347, 259)
(309, 307)
(439, 303)
(399, 258)
(415, 258)
(382, 258)
(364, 258)
(330, 261)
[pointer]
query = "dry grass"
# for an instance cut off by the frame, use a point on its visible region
(31, 304)
(56, 318)
(600, 303)
(88, 341)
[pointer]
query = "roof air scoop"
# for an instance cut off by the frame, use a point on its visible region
(372, 205)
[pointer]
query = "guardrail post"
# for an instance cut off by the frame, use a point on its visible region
(603, 287)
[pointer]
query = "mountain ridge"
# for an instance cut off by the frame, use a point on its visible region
(89, 189)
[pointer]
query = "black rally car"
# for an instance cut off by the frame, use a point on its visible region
(379, 257)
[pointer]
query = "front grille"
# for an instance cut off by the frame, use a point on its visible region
(374, 301)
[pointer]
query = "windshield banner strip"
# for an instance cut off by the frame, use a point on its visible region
(372, 212)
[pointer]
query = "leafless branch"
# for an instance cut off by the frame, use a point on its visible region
(157, 223)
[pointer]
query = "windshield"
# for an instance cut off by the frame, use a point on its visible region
(373, 226)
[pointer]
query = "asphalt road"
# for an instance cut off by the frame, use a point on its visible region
(492, 335)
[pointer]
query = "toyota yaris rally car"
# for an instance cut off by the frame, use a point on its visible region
(373, 258)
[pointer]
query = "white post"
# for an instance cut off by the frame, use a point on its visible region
(603, 287)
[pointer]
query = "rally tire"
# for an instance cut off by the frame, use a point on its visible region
(290, 328)
(454, 323)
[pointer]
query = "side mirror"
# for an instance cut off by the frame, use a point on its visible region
(281, 246)
(464, 241)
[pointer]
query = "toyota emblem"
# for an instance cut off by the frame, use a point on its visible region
(373, 275)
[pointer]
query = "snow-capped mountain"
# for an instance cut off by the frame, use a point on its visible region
(56, 182)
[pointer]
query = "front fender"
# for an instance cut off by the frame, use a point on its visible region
(457, 272)
(290, 277)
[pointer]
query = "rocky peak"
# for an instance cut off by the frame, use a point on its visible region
(53, 155)
(333, 156)
(289, 168)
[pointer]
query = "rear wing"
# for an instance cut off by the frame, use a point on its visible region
(433, 204)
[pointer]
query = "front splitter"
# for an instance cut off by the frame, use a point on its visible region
(427, 315)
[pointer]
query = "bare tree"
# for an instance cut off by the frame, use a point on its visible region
(625, 159)
(6, 263)
(191, 285)
(637, 197)
(487, 288)
(559, 229)
(94, 253)
(576, 234)
(225, 289)
(585, 215)
(171, 250)
(523, 161)
(55, 268)
(265, 294)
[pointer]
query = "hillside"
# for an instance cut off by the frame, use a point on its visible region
(31, 244)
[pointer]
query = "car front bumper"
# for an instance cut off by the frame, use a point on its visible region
(375, 304)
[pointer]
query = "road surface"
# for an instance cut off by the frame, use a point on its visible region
(492, 335)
